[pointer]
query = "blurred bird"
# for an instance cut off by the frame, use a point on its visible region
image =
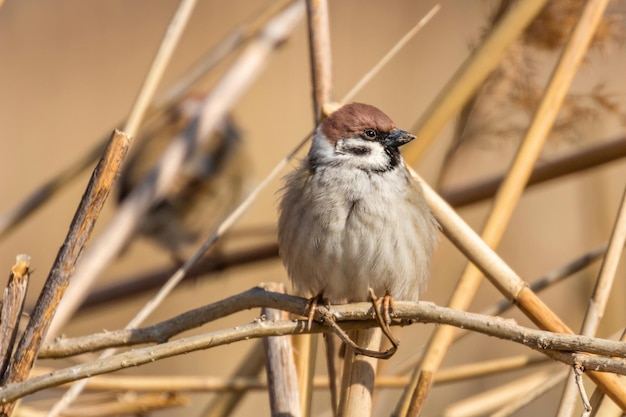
(352, 217)
(211, 182)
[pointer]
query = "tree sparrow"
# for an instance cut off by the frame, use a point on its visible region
(212, 182)
(352, 217)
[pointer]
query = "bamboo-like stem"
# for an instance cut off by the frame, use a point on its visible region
(598, 397)
(471, 74)
(359, 373)
(598, 301)
(280, 366)
(79, 232)
(507, 197)
(322, 81)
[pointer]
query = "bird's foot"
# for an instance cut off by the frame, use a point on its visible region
(382, 311)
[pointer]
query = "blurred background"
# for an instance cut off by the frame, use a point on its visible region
(69, 73)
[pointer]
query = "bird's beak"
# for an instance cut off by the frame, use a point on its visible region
(398, 138)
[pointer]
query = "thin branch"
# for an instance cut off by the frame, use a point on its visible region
(12, 307)
(352, 316)
(581, 159)
(80, 229)
(597, 302)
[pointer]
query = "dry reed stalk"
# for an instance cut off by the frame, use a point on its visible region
(280, 366)
(251, 365)
(359, 374)
(57, 281)
(602, 408)
(322, 80)
(506, 199)
(525, 398)
(484, 402)
(599, 299)
(12, 307)
(471, 74)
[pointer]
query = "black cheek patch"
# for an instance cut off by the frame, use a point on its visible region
(359, 150)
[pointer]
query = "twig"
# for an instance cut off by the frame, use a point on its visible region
(578, 375)
(598, 301)
(508, 196)
(471, 74)
(80, 229)
(582, 159)
(280, 366)
(12, 306)
(251, 366)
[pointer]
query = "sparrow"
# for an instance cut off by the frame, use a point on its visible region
(210, 183)
(352, 218)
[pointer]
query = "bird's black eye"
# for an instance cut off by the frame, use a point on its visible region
(370, 133)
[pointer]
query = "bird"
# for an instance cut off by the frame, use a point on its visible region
(352, 220)
(211, 182)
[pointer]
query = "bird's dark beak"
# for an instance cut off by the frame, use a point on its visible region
(398, 138)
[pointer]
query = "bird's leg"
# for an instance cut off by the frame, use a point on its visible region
(311, 306)
(382, 310)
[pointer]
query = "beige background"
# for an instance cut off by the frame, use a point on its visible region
(69, 70)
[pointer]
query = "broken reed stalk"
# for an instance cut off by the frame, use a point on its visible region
(472, 73)
(507, 198)
(598, 301)
(12, 307)
(79, 232)
(279, 365)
